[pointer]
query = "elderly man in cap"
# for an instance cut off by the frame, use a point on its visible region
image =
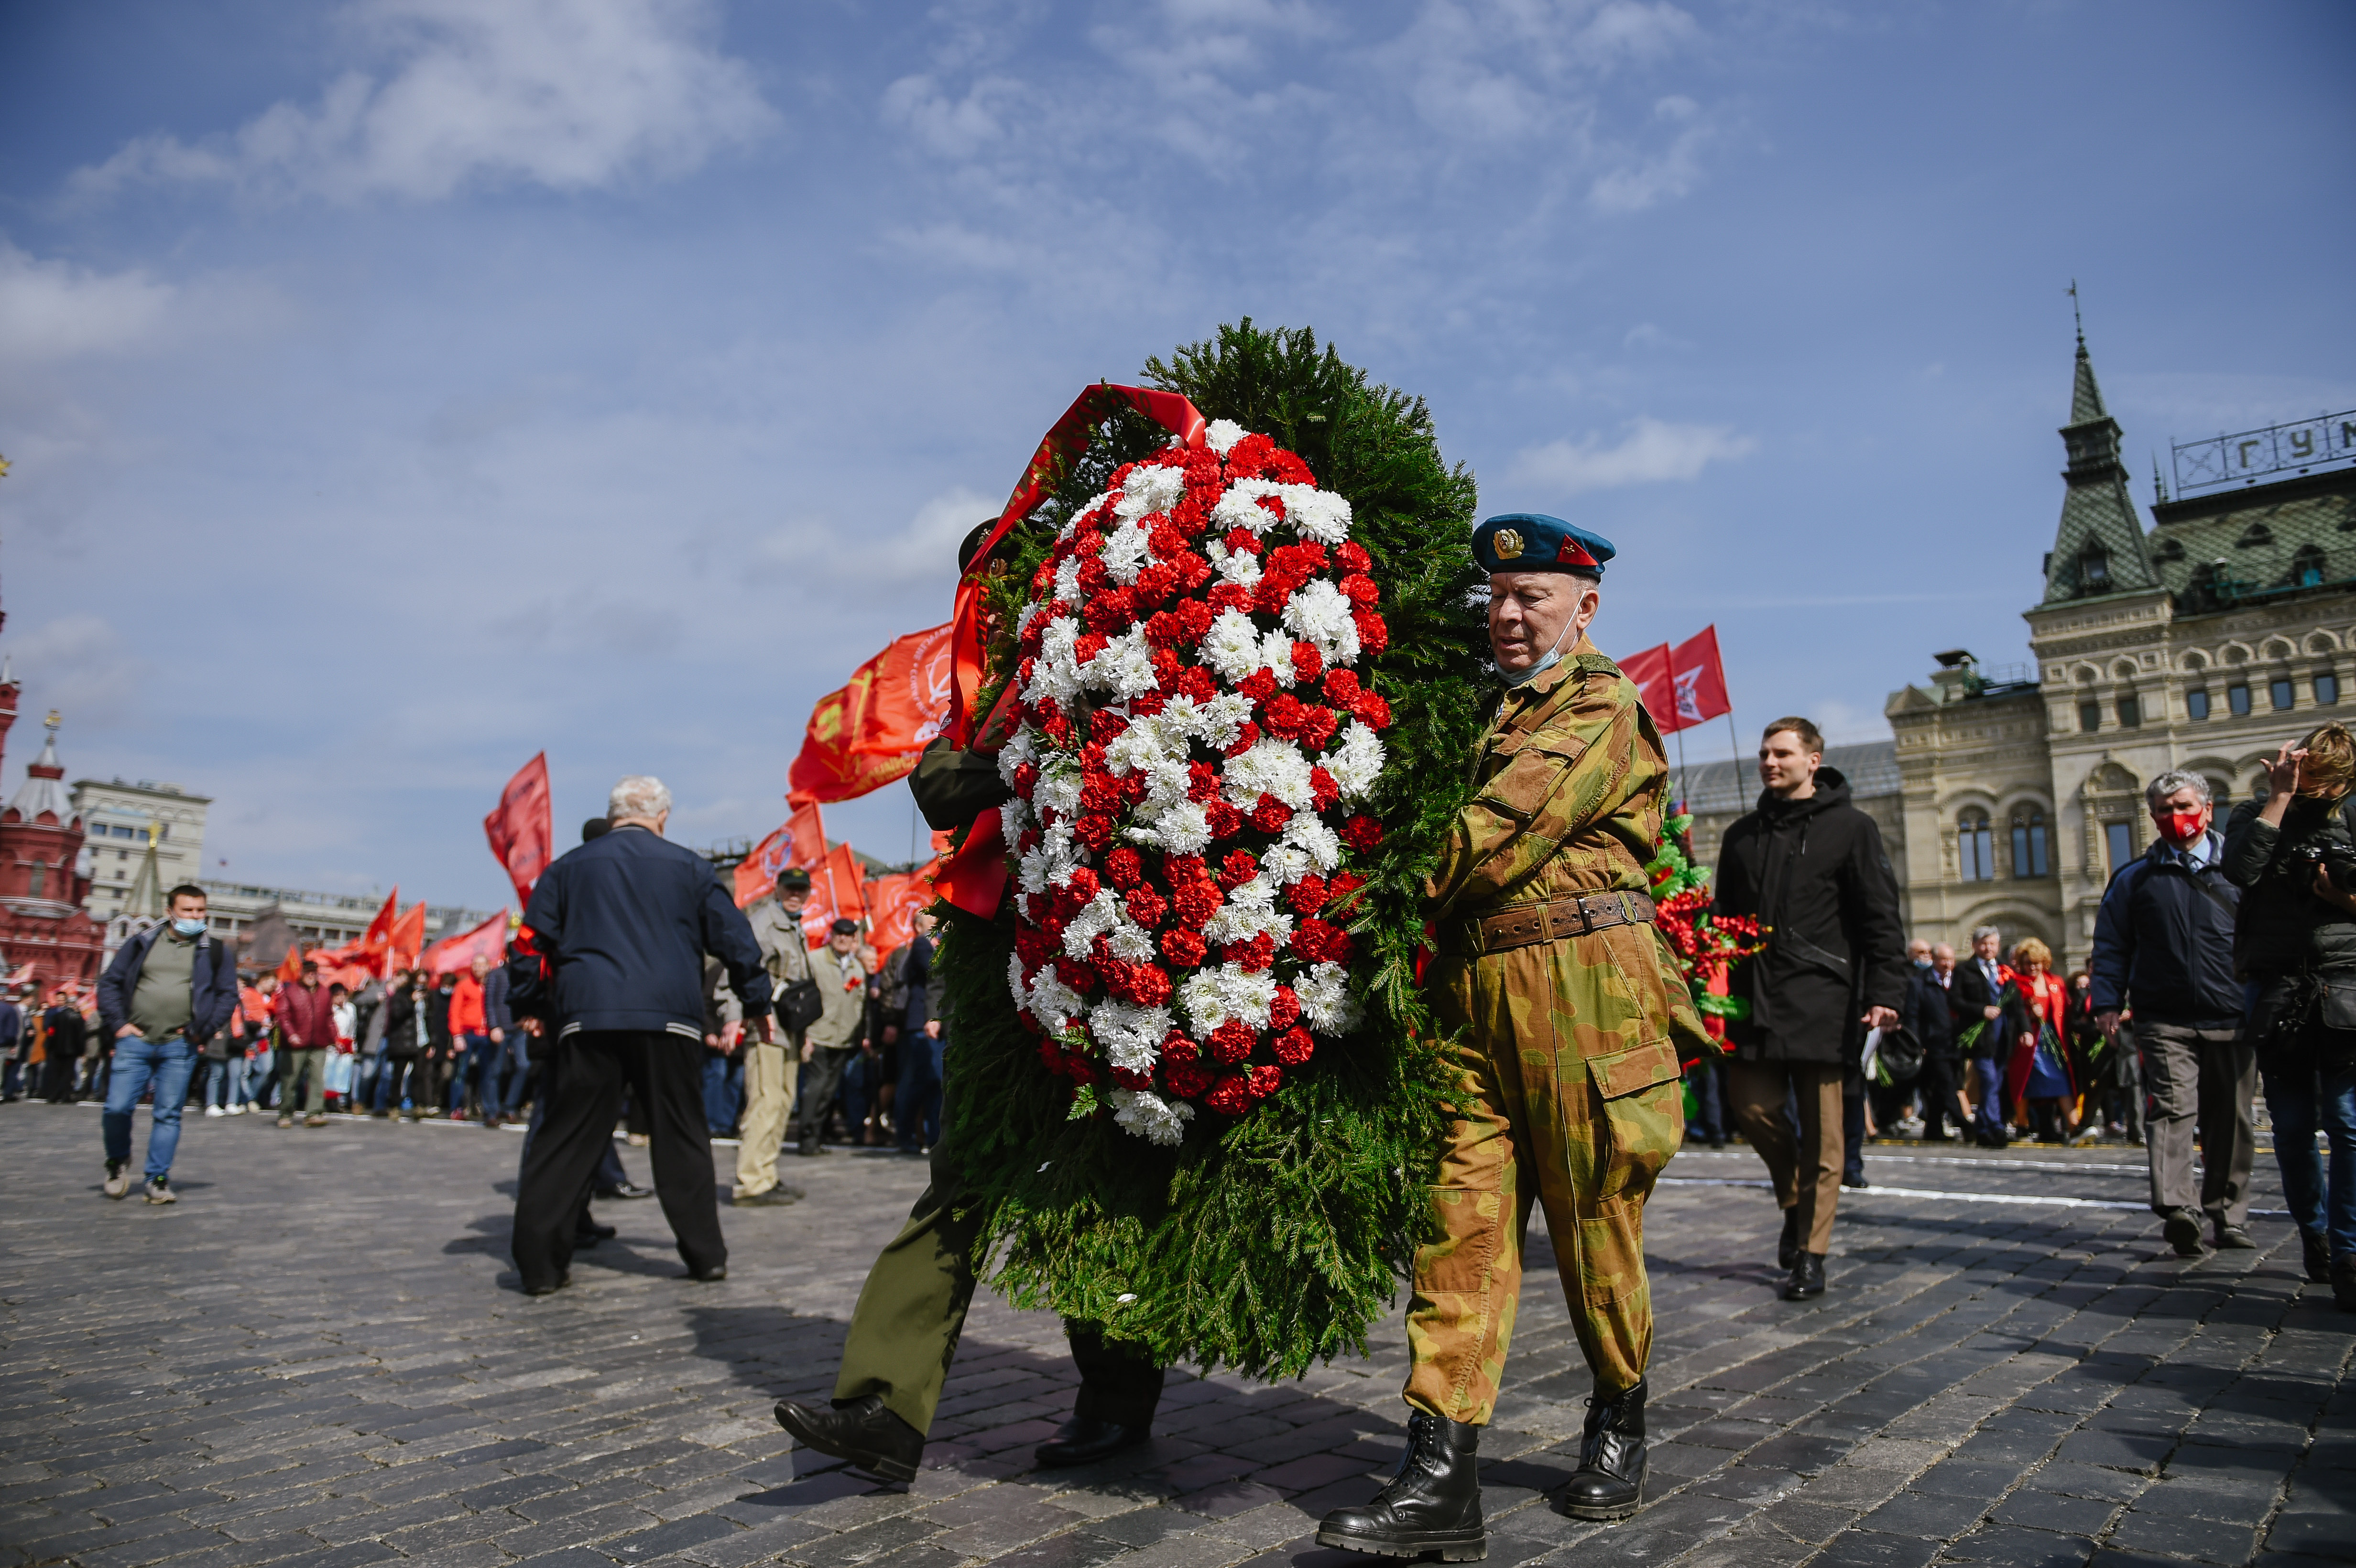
(1569, 1011)
(770, 1066)
(831, 1042)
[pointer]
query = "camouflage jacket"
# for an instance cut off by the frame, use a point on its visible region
(1573, 782)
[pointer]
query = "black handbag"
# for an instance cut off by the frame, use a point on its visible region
(800, 1004)
(1898, 1057)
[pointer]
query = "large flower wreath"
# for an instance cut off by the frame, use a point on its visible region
(1195, 1094)
(1191, 764)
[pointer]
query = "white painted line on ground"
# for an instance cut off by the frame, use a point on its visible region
(1853, 1194)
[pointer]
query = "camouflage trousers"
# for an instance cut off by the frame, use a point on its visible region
(1576, 1104)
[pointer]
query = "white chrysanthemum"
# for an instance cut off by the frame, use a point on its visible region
(1271, 767)
(1056, 671)
(1067, 580)
(1125, 667)
(1132, 1037)
(1180, 829)
(1149, 489)
(1231, 648)
(1221, 436)
(1240, 507)
(1357, 762)
(1048, 865)
(1308, 833)
(1286, 864)
(1150, 742)
(1240, 922)
(1235, 565)
(1126, 552)
(1215, 723)
(1276, 655)
(1020, 748)
(1051, 1001)
(1095, 919)
(1058, 792)
(1326, 999)
(1212, 996)
(1013, 818)
(1014, 981)
(1167, 783)
(1318, 615)
(1316, 513)
(1149, 1115)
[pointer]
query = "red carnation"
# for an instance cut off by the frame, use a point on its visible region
(1321, 942)
(1246, 739)
(1196, 903)
(1351, 558)
(1228, 596)
(1224, 820)
(1057, 728)
(1124, 867)
(1238, 868)
(1284, 714)
(1264, 1081)
(1344, 883)
(1193, 572)
(1308, 895)
(1026, 779)
(1203, 782)
(1341, 687)
(1259, 685)
(1184, 947)
(1293, 1047)
(1362, 833)
(1372, 711)
(1033, 947)
(1232, 1041)
(1194, 682)
(1105, 726)
(1167, 629)
(1089, 646)
(1270, 815)
(1146, 907)
(1124, 1079)
(1284, 1008)
(1241, 541)
(1248, 457)
(1093, 575)
(1322, 791)
(1285, 468)
(1112, 611)
(1318, 726)
(1165, 670)
(1230, 1096)
(1359, 590)
(1307, 662)
(1152, 702)
(1094, 830)
(1187, 1080)
(1166, 541)
(1256, 955)
(1149, 985)
(1083, 884)
(1373, 635)
(1176, 1047)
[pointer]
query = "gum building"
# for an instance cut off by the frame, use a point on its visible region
(2202, 642)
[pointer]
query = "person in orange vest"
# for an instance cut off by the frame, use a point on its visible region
(470, 1050)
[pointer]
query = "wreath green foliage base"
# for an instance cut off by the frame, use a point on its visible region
(1272, 1242)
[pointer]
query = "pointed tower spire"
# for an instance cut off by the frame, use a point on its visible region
(2099, 547)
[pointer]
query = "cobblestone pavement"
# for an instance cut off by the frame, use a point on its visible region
(318, 1356)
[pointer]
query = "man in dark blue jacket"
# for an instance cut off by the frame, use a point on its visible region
(169, 989)
(2164, 946)
(623, 924)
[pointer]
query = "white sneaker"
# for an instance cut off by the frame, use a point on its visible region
(118, 1182)
(237, 1110)
(215, 1111)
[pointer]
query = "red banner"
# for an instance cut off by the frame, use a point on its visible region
(521, 836)
(869, 733)
(800, 842)
(893, 900)
(1064, 440)
(1650, 671)
(1700, 681)
(408, 938)
(489, 939)
(379, 935)
(836, 893)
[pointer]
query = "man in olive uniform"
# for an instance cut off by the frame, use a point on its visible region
(1569, 1011)
(831, 1042)
(771, 1066)
(903, 1331)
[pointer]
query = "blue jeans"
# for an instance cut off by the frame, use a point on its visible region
(2300, 1103)
(168, 1061)
(484, 1057)
(724, 1093)
(917, 1103)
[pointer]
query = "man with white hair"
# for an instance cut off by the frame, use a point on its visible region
(622, 924)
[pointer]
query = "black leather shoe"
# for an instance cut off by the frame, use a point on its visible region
(1787, 1250)
(2315, 1253)
(863, 1432)
(627, 1189)
(1807, 1281)
(2182, 1229)
(1432, 1502)
(1609, 1483)
(549, 1289)
(2233, 1238)
(588, 1233)
(711, 1275)
(1084, 1440)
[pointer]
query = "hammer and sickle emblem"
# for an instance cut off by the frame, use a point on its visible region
(1508, 542)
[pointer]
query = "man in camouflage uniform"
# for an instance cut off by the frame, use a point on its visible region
(1568, 1013)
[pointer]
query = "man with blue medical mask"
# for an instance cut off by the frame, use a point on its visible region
(169, 989)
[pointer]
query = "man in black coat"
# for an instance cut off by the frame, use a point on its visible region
(1809, 867)
(623, 924)
(1928, 1014)
(1976, 1007)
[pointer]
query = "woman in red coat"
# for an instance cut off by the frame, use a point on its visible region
(2039, 1070)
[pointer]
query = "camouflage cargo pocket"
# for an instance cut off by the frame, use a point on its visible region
(1531, 773)
(1644, 1112)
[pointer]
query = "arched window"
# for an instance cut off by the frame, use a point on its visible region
(2306, 567)
(2094, 568)
(2029, 855)
(1976, 846)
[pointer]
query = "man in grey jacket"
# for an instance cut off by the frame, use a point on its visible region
(831, 1041)
(771, 1065)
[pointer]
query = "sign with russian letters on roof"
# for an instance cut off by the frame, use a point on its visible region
(2244, 459)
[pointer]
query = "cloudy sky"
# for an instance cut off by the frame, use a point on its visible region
(400, 387)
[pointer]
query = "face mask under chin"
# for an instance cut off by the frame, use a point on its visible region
(1553, 656)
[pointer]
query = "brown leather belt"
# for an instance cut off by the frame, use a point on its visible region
(1524, 925)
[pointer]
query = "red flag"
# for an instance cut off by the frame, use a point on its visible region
(521, 832)
(1650, 671)
(489, 939)
(869, 733)
(1700, 678)
(379, 935)
(408, 937)
(800, 842)
(893, 900)
(836, 893)
(290, 968)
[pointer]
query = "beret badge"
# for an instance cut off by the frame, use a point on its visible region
(1507, 543)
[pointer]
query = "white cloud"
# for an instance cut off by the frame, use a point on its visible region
(1651, 451)
(1647, 181)
(572, 95)
(829, 560)
(54, 310)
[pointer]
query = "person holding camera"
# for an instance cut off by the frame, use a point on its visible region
(2294, 856)
(2164, 943)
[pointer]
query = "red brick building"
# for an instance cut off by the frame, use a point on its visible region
(42, 922)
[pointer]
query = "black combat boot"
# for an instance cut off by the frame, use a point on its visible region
(1807, 1281)
(861, 1431)
(1432, 1504)
(1611, 1479)
(1787, 1250)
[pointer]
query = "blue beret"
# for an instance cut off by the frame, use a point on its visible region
(1532, 541)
